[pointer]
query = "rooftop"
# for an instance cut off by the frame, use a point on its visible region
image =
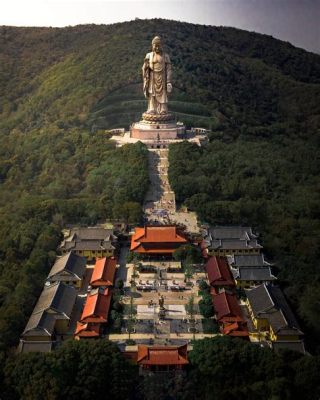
(104, 271)
(40, 346)
(253, 274)
(231, 238)
(232, 232)
(96, 245)
(293, 345)
(226, 305)
(91, 233)
(268, 302)
(70, 263)
(90, 238)
(249, 260)
(56, 299)
(97, 307)
(87, 330)
(156, 239)
(162, 355)
(218, 272)
(234, 244)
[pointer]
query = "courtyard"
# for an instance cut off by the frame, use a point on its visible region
(144, 322)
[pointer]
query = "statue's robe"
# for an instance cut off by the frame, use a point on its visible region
(160, 73)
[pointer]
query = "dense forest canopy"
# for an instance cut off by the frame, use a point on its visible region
(61, 89)
(221, 368)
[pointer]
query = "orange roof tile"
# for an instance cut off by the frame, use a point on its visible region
(218, 271)
(139, 232)
(156, 235)
(159, 234)
(226, 306)
(104, 271)
(87, 330)
(97, 307)
(162, 355)
(235, 329)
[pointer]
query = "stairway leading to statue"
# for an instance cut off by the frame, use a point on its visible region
(159, 202)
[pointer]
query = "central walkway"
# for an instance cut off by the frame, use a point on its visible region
(160, 199)
(160, 203)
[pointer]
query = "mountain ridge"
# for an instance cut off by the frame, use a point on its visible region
(87, 62)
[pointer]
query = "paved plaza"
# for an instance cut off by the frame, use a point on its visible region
(144, 313)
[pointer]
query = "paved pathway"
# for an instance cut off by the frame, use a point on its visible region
(136, 336)
(160, 199)
(160, 202)
(122, 270)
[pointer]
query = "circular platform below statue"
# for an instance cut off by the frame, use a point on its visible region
(156, 131)
(157, 118)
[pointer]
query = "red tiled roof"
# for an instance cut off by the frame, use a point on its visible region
(226, 307)
(87, 330)
(162, 355)
(235, 329)
(218, 272)
(156, 235)
(104, 271)
(97, 307)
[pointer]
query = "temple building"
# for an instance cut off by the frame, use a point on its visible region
(70, 269)
(157, 240)
(50, 318)
(103, 272)
(229, 315)
(229, 240)
(94, 315)
(91, 242)
(246, 277)
(247, 260)
(270, 313)
(162, 358)
(219, 274)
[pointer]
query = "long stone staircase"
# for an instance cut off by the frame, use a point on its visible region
(160, 199)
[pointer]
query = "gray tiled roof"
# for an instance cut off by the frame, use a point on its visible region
(92, 238)
(92, 245)
(260, 300)
(232, 232)
(71, 263)
(41, 346)
(281, 302)
(254, 274)
(59, 297)
(91, 233)
(295, 345)
(249, 260)
(42, 322)
(233, 244)
(268, 302)
(231, 238)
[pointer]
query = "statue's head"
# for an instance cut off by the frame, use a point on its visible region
(156, 44)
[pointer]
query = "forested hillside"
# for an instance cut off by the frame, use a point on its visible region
(61, 89)
(223, 367)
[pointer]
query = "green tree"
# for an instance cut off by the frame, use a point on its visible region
(206, 306)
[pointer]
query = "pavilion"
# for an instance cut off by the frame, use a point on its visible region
(162, 358)
(157, 240)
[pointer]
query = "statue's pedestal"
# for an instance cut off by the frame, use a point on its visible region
(157, 127)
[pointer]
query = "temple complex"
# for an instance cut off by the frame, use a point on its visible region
(161, 303)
